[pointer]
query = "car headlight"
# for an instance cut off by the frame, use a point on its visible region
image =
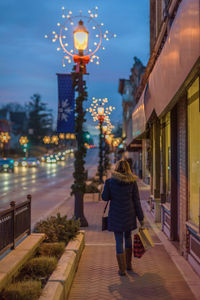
(24, 163)
(16, 164)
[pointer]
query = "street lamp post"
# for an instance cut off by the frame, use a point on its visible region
(106, 149)
(24, 143)
(78, 187)
(47, 141)
(100, 111)
(81, 55)
(4, 139)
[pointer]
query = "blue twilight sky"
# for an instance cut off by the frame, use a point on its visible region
(29, 62)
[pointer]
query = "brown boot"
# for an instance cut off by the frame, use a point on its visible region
(122, 264)
(128, 252)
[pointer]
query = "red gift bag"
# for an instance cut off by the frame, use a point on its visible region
(138, 248)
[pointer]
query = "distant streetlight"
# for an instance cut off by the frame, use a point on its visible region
(100, 111)
(24, 143)
(55, 139)
(62, 136)
(4, 139)
(47, 141)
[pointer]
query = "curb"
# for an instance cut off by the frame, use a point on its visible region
(59, 283)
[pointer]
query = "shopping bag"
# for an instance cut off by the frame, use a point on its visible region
(138, 248)
(145, 238)
(104, 223)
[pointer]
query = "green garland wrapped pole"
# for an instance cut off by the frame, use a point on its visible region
(100, 167)
(106, 156)
(78, 187)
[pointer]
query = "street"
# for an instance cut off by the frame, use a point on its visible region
(49, 185)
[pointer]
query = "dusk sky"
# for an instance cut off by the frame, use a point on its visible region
(29, 62)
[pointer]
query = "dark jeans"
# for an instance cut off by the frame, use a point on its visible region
(119, 241)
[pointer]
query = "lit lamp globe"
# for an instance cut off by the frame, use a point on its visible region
(80, 38)
(100, 110)
(104, 128)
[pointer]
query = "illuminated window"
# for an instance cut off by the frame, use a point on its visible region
(194, 151)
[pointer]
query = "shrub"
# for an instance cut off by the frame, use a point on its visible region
(58, 229)
(95, 179)
(92, 188)
(52, 249)
(24, 290)
(39, 267)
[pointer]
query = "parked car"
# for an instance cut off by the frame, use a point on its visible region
(32, 162)
(7, 165)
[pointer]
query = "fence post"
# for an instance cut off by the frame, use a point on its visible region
(12, 205)
(29, 197)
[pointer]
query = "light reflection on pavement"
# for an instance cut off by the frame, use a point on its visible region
(49, 185)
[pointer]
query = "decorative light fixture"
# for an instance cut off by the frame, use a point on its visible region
(98, 108)
(4, 137)
(47, 140)
(23, 140)
(84, 49)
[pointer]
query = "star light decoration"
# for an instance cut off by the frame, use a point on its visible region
(107, 111)
(4, 137)
(66, 29)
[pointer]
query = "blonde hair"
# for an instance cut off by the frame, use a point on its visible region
(122, 166)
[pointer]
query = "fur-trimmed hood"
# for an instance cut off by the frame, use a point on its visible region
(126, 178)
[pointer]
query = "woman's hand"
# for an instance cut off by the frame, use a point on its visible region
(142, 223)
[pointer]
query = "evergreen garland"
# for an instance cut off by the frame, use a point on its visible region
(100, 167)
(106, 156)
(79, 184)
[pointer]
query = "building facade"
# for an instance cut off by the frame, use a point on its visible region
(127, 88)
(167, 117)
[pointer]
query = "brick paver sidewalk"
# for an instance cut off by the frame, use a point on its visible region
(155, 276)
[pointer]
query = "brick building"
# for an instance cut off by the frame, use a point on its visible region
(167, 118)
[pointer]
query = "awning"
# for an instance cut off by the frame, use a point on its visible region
(135, 146)
(176, 60)
(138, 119)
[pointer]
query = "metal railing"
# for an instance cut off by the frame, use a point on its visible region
(15, 223)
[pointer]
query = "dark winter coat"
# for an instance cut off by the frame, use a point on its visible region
(125, 205)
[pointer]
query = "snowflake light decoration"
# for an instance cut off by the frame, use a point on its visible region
(64, 110)
(66, 30)
(93, 110)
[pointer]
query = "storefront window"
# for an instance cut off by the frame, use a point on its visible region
(168, 156)
(194, 151)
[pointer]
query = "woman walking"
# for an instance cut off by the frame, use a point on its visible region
(122, 191)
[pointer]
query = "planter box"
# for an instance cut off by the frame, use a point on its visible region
(89, 197)
(59, 284)
(11, 263)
